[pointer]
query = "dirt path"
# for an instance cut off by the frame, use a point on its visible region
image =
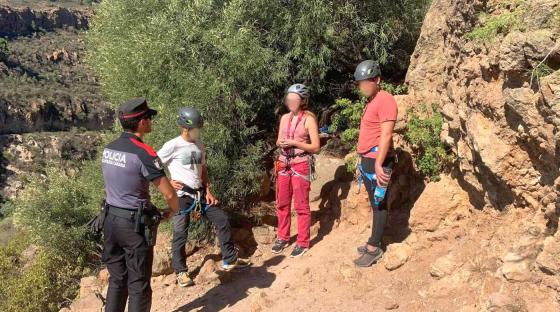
(456, 258)
(325, 279)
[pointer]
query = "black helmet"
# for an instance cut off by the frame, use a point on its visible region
(367, 70)
(299, 89)
(190, 118)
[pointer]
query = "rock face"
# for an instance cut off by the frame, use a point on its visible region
(24, 21)
(29, 154)
(48, 94)
(440, 201)
(500, 96)
(501, 125)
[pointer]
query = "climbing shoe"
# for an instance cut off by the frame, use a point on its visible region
(279, 246)
(236, 265)
(368, 258)
(184, 280)
(298, 251)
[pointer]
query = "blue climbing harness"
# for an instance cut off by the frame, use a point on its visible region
(197, 208)
(372, 177)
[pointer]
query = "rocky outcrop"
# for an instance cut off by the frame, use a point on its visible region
(16, 21)
(28, 155)
(45, 115)
(501, 125)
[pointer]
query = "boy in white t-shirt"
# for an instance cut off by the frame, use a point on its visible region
(185, 158)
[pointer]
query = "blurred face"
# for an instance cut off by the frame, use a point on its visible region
(369, 88)
(293, 102)
(194, 133)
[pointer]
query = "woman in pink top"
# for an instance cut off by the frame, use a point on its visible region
(298, 139)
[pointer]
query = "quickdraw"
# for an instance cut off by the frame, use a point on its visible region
(197, 209)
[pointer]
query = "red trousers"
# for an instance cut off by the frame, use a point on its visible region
(295, 183)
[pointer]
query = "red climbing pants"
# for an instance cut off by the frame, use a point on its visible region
(293, 182)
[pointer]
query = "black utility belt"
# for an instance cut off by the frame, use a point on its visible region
(122, 212)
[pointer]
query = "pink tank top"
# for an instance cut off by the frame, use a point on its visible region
(295, 130)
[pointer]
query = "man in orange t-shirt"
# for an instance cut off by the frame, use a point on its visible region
(375, 146)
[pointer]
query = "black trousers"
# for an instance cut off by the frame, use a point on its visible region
(181, 232)
(380, 213)
(129, 261)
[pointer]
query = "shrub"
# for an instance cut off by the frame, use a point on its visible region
(4, 51)
(233, 61)
(423, 132)
(493, 24)
(347, 120)
(394, 89)
(52, 214)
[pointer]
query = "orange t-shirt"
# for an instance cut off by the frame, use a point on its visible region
(381, 108)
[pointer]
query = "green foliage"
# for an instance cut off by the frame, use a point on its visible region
(351, 163)
(542, 70)
(394, 89)
(493, 24)
(4, 51)
(39, 285)
(347, 120)
(423, 132)
(52, 214)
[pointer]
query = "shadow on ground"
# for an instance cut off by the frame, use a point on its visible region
(223, 296)
(331, 196)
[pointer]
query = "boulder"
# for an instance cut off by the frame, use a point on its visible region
(549, 259)
(504, 302)
(90, 296)
(396, 256)
(162, 264)
(444, 266)
(264, 235)
(437, 202)
(519, 51)
(515, 268)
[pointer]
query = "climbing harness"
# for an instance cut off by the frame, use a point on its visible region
(197, 208)
(372, 177)
(284, 167)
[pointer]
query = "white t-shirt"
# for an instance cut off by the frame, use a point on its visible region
(185, 161)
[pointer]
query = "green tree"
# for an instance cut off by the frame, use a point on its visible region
(233, 60)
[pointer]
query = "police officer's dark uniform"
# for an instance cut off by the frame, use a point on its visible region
(128, 167)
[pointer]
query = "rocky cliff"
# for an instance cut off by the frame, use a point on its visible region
(49, 96)
(493, 68)
(502, 126)
(17, 21)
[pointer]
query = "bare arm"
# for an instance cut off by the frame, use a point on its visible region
(210, 198)
(280, 138)
(204, 177)
(384, 145)
(168, 193)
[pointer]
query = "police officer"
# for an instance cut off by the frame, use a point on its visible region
(129, 165)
